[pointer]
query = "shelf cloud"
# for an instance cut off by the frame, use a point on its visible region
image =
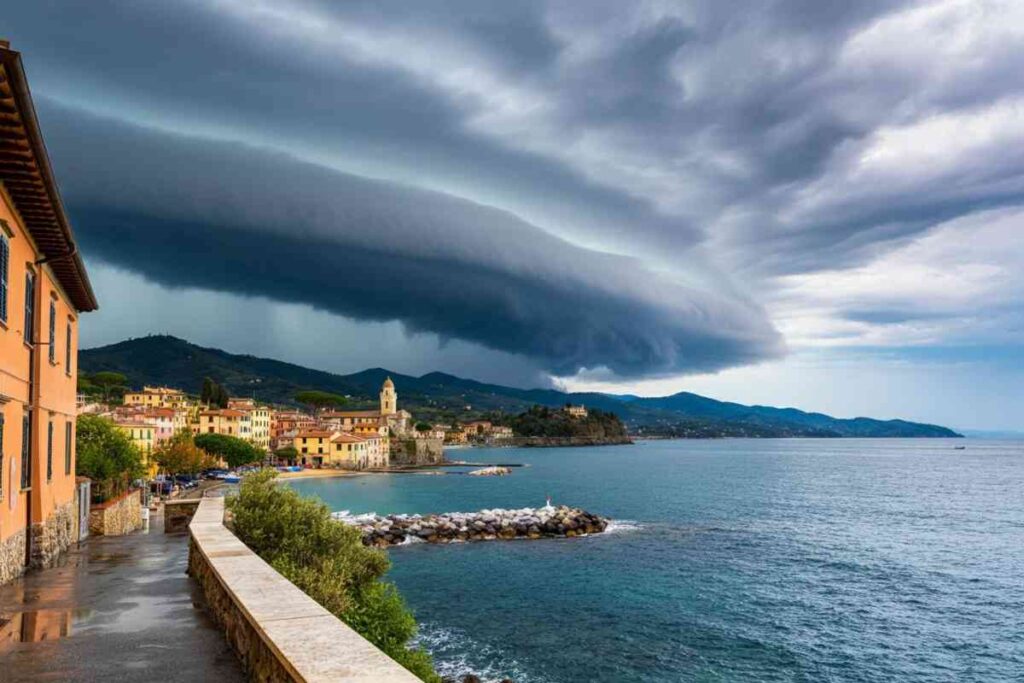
(252, 222)
(640, 190)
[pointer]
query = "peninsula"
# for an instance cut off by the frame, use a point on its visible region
(441, 398)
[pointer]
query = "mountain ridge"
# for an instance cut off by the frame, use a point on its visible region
(168, 360)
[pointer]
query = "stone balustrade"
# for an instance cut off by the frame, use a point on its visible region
(278, 632)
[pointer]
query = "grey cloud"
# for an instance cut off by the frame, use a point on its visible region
(190, 212)
(686, 135)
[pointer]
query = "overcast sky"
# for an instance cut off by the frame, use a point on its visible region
(815, 203)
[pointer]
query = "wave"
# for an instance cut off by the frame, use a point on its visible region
(621, 526)
(457, 654)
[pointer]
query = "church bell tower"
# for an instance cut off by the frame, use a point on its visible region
(388, 398)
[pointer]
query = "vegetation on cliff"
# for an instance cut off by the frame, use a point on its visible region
(328, 561)
(557, 423)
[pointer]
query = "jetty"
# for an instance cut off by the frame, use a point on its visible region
(486, 525)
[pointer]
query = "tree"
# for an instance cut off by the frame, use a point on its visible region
(423, 427)
(213, 394)
(206, 394)
(328, 561)
(107, 456)
(180, 455)
(287, 453)
(234, 451)
(320, 399)
(107, 382)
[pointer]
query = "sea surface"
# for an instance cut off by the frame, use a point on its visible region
(729, 560)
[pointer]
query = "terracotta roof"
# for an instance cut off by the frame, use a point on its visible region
(223, 412)
(314, 434)
(161, 412)
(351, 413)
(27, 177)
(345, 437)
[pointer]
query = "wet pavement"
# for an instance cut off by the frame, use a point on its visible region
(117, 609)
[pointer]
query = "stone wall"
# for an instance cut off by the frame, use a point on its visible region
(259, 661)
(52, 538)
(406, 452)
(12, 557)
(278, 632)
(116, 517)
(178, 513)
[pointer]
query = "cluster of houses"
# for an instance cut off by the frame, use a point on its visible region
(351, 439)
(476, 432)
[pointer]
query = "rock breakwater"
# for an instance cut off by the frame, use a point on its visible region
(486, 525)
(491, 472)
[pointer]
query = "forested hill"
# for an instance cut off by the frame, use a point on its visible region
(165, 360)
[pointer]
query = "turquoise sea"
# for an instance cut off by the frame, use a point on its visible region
(729, 560)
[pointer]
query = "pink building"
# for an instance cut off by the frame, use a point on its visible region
(163, 419)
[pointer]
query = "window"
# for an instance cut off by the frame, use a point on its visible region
(26, 450)
(5, 265)
(49, 451)
(30, 306)
(53, 332)
(67, 352)
(67, 447)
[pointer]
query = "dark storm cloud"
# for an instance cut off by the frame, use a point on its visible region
(726, 145)
(189, 212)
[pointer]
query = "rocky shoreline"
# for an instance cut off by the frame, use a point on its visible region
(487, 525)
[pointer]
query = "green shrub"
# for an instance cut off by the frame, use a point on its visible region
(328, 561)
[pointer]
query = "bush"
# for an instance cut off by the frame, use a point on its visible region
(328, 561)
(107, 456)
(234, 451)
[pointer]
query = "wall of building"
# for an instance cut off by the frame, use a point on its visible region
(39, 512)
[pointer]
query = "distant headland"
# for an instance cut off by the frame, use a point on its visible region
(442, 398)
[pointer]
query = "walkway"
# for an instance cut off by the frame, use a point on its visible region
(119, 609)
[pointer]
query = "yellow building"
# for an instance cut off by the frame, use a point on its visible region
(156, 397)
(143, 436)
(313, 446)
(349, 451)
(225, 421)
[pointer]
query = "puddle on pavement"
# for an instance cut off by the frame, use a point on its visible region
(38, 625)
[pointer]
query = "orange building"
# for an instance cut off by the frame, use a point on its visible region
(43, 288)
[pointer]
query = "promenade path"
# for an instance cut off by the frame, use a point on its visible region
(117, 609)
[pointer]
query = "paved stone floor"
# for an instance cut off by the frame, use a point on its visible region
(117, 609)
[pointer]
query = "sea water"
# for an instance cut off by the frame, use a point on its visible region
(728, 560)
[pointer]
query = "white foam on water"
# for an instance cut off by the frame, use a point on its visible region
(410, 540)
(621, 526)
(451, 647)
